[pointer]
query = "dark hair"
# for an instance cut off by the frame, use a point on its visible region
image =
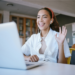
(55, 24)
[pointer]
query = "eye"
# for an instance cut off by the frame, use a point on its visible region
(38, 17)
(45, 17)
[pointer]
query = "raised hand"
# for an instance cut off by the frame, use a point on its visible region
(62, 34)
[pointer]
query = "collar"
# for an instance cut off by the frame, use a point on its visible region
(49, 35)
(39, 37)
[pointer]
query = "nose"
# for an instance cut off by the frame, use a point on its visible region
(41, 19)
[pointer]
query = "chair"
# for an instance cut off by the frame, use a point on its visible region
(71, 60)
(73, 46)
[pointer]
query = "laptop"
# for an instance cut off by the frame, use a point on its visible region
(11, 55)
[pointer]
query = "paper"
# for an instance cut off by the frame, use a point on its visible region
(73, 34)
(73, 40)
(73, 26)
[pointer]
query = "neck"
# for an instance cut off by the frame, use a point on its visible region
(45, 32)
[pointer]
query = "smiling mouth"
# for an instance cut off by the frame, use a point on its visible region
(41, 25)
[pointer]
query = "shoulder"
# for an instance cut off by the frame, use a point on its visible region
(31, 39)
(35, 36)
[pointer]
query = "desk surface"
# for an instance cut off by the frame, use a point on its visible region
(47, 68)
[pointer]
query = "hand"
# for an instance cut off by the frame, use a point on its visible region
(60, 39)
(33, 58)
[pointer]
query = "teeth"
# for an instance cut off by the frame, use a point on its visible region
(41, 23)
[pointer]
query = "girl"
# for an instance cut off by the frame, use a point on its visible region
(49, 44)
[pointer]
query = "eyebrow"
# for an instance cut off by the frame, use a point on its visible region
(43, 15)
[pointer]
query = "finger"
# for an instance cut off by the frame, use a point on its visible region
(37, 57)
(65, 32)
(31, 58)
(56, 37)
(60, 30)
(63, 29)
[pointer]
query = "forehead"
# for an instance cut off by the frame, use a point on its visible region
(43, 12)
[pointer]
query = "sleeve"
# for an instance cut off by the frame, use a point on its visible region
(66, 49)
(27, 46)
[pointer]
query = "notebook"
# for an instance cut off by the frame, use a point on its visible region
(11, 55)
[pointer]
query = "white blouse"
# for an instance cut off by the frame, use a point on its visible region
(33, 45)
(43, 45)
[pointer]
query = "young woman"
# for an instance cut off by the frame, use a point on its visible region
(50, 44)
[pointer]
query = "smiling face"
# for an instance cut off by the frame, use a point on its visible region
(43, 20)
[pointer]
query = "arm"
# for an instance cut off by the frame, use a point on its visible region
(60, 41)
(26, 51)
(61, 58)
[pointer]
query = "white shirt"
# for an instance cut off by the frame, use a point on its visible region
(43, 45)
(33, 45)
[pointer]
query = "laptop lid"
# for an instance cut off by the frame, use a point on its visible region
(10, 47)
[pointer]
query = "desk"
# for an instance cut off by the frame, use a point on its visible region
(47, 68)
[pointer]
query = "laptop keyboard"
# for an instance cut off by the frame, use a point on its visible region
(29, 64)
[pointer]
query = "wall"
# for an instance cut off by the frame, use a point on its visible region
(6, 15)
(69, 34)
(22, 15)
(1, 12)
(63, 19)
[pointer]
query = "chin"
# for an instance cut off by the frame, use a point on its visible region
(41, 29)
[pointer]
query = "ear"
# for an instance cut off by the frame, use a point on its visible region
(52, 20)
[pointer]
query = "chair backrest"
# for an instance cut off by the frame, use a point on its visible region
(71, 60)
(73, 46)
